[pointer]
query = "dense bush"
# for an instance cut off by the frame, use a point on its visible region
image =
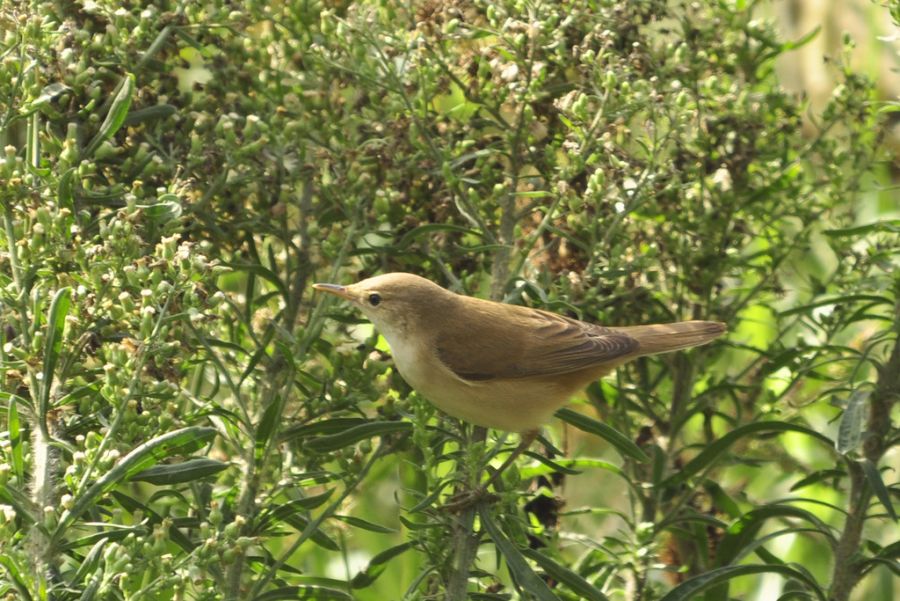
(185, 420)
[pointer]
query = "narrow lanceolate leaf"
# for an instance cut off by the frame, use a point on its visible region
(333, 442)
(877, 484)
(65, 191)
(717, 449)
(268, 425)
(118, 110)
(560, 573)
(687, 590)
(744, 530)
(56, 323)
(891, 226)
(151, 113)
(622, 443)
(852, 424)
(187, 471)
(179, 442)
(325, 426)
(285, 510)
(305, 592)
(364, 524)
(14, 577)
(516, 562)
(377, 565)
(15, 439)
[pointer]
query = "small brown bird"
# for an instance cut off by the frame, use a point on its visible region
(497, 365)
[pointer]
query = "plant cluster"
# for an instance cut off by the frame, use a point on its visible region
(183, 419)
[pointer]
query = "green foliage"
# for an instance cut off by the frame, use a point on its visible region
(183, 419)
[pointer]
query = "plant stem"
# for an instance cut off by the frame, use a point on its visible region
(846, 572)
(465, 539)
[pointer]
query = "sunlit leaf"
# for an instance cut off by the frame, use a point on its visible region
(515, 561)
(715, 450)
(332, 442)
(177, 442)
(187, 471)
(377, 565)
(560, 573)
(687, 590)
(877, 484)
(115, 117)
(618, 440)
(852, 422)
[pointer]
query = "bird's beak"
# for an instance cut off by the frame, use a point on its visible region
(335, 289)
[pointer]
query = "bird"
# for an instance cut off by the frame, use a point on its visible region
(498, 365)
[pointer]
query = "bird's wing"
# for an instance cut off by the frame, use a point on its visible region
(537, 344)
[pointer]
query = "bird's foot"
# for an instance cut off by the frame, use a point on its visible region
(469, 498)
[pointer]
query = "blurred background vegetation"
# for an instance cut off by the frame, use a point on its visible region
(183, 419)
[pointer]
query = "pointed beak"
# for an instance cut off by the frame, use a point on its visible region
(335, 289)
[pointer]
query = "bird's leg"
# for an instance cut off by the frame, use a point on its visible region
(467, 498)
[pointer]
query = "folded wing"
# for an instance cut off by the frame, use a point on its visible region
(530, 343)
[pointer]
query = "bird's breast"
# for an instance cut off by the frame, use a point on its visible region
(505, 404)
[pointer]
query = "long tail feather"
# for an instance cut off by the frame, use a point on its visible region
(668, 337)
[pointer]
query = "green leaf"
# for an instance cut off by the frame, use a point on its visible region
(714, 450)
(515, 561)
(284, 511)
(151, 113)
(166, 208)
(559, 467)
(803, 41)
(14, 431)
(317, 535)
(691, 587)
(14, 577)
(377, 565)
(852, 426)
(364, 524)
(306, 593)
(621, 442)
(268, 424)
(575, 465)
(325, 426)
(118, 110)
(25, 508)
(56, 323)
(743, 531)
(91, 561)
(187, 471)
(816, 477)
(838, 300)
(65, 190)
(560, 573)
(333, 442)
(152, 518)
(889, 226)
(877, 484)
(178, 442)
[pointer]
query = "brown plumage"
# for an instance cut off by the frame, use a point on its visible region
(498, 365)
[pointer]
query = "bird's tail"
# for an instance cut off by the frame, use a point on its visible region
(668, 337)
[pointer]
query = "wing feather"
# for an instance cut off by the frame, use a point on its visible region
(529, 343)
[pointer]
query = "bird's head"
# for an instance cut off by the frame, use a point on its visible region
(393, 302)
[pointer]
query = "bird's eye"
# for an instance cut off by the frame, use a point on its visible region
(374, 299)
